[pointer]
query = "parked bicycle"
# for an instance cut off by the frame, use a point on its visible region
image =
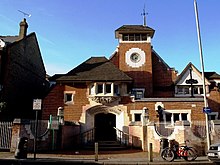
(176, 151)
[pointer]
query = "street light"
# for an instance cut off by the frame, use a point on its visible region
(203, 75)
(145, 114)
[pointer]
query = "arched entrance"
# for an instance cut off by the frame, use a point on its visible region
(104, 127)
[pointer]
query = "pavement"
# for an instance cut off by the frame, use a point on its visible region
(128, 157)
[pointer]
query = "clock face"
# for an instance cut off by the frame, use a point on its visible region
(135, 57)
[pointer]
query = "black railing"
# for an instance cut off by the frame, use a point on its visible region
(87, 137)
(124, 138)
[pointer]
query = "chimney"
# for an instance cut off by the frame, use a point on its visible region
(23, 29)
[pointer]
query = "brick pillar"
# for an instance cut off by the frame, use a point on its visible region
(16, 131)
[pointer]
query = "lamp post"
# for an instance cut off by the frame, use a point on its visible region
(145, 120)
(203, 75)
(145, 114)
(60, 115)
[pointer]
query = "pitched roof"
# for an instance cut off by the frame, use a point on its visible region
(190, 65)
(134, 29)
(9, 39)
(95, 69)
(212, 75)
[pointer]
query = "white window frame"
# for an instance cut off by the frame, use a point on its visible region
(184, 111)
(72, 97)
(133, 112)
(93, 89)
(213, 114)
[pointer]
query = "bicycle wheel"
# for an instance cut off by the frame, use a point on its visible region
(167, 154)
(189, 154)
(195, 152)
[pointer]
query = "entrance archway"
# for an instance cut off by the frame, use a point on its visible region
(104, 124)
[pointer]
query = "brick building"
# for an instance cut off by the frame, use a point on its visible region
(117, 96)
(22, 74)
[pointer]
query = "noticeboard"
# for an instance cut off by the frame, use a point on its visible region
(37, 104)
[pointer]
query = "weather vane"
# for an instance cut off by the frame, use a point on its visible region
(144, 16)
(25, 14)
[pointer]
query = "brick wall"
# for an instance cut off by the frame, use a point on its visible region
(163, 78)
(24, 77)
(142, 76)
(55, 99)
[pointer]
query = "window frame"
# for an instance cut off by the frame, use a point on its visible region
(66, 100)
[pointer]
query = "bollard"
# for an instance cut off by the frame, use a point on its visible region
(96, 151)
(150, 153)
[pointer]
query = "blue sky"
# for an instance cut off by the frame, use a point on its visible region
(71, 31)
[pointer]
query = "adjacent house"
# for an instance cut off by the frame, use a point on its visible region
(22, 74)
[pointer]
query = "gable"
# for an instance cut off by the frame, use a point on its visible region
(185, 75)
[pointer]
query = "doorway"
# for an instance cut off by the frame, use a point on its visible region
(104, 124)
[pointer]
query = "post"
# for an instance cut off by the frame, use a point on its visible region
(36, 107)
(96, 151)
(150, 153)
(203, 75)
(35, 137)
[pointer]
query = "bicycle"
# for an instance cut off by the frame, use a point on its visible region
(175, 151)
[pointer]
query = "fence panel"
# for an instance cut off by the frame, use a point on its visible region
(5, 135)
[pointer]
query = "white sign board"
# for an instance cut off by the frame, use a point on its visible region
(54, 124)
(37, 104)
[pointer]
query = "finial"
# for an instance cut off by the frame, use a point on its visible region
(144, 16)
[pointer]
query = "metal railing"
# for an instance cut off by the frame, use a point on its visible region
(124, 138)
(5, 135)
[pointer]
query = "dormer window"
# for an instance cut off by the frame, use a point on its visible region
(103, 89)
(100, 88)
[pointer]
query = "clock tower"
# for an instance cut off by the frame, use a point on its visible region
(134, 57)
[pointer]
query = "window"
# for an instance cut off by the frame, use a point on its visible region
(68, 97)
(176, 117)
(116, 89)
(125, 37)
(137, 117)
(92, 89)
(186, 90)
(134, 37)
(180, 90)
(201, 90)
(100, 88)
(171, 116)
(138, 93)
(108, 88)
(168, 117)
(184, 116)
(195, 90)
(213, 116)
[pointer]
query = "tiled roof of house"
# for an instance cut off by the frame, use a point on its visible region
(135, 29)
(8, 39)
(131, 28)
(212, 75)
(95, 69)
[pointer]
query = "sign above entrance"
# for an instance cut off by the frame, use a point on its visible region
(104, 109)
